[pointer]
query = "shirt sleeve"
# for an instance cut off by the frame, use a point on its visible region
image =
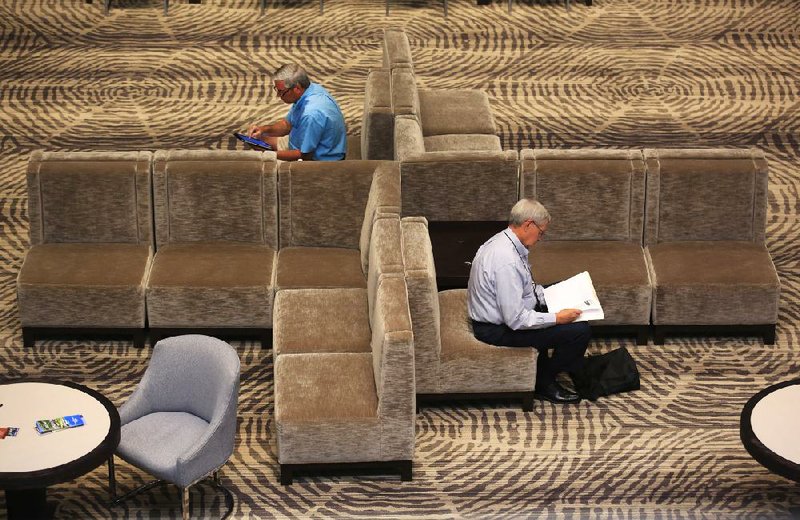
(509, 287)
(312, 134)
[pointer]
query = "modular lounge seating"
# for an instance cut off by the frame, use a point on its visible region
(596, 199)
(450, 363)
(327, 210)
(340, 316)
(217, 236)
(351, 410)
(705, 240)
(91, 245)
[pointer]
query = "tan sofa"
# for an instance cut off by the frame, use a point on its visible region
(449, 362)
(705, 238)
(596, 199)
(91, 245)
(217, 236)
(326, 216)
(353, 410)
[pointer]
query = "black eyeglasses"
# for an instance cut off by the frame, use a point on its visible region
(281, 92)
(541, 231)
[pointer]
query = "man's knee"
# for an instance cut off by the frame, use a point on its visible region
(581, 332)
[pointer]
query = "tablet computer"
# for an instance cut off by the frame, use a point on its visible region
(258, 143)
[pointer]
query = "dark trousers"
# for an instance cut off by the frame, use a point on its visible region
(568, 342)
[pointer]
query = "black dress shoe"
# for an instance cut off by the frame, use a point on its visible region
(555, 393)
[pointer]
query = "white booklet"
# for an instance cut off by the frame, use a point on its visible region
(575, 293)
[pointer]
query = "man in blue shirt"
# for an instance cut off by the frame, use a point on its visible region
(507, 307)
(314, 124)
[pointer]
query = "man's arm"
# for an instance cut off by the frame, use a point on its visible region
(279, 128)
(510, 287)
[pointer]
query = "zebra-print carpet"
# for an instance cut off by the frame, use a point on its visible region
(622, 73)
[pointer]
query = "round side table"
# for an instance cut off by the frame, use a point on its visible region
(31, 462)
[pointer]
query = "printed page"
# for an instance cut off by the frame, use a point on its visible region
(575, 293)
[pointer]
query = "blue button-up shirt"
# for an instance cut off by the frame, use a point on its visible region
(317, 125)
(501, 289)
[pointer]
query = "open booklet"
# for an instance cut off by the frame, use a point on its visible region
(575, 293)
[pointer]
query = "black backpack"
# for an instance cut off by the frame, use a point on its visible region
(606, 374)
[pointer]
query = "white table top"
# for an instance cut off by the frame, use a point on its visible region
(25, 403)
(776, 422)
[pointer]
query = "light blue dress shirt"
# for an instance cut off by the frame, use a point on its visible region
(317, 125)
(501, 289)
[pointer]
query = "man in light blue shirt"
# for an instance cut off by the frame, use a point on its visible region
(314, 124)
(507, 307)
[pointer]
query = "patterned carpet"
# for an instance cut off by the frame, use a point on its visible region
(623, 73)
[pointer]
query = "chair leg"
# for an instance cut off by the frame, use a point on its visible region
(185, 503)
(642, 335)
(107, 6)
(527, 403)
(217, 483)
(112, 479)
(509, 6)
(445, 8)
(769, 335)
(406, 472)
(321, 6)
(387, 7)
(28, 337)
(166, 7)
(286, 475)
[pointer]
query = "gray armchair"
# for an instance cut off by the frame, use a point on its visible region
(180, 422)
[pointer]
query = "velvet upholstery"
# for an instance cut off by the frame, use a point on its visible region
(596, 200)
(216, 227)
(448, 358)
(455, 111)
(709, 262)
(351, 406)
(405, 96)
(377, 123)
(340, 316)
(396, 49)
(462, 142)
(462, 185)
(91, 237)
(327, 214)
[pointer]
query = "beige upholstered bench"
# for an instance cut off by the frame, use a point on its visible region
(450, 363)
(327, 210)
(91, 245)
(705, 238)
(596, 199)
(351, 410)
(216, 233)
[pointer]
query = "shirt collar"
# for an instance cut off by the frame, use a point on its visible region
(521, 249)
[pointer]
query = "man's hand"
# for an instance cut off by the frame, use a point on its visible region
(255, 131)
(567, 316)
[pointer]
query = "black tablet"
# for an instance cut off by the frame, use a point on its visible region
(258, 143)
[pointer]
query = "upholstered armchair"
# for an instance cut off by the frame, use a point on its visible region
(216, 232)
(351, 410)
(326, 218)
(91, 245)
(705, 237)
(449, 362)
(596, 200)
(180, 423)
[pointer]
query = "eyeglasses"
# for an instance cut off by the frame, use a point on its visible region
(541, 231)
(281, 92)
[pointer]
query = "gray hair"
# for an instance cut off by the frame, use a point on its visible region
(528, 209)
(292, 74)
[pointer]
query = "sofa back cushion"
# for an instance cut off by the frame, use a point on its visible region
(423, 300)
(90, 197)
(706, 194)
(460, 186)
(323, 203)
(377, 123)
(396, 49)
(393, 366)
(215, 195)
(383, 199)
(590, 194)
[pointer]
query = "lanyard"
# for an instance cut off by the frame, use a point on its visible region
(527, 266)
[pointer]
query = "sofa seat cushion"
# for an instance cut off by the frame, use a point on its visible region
(469, 365)
(618, 271)
(455, 111)
(321, 320)
(211, 284)
(326, 408)
(462, 142)
(84, 285)
(156, 441)
(319, 267)
(714, 283)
